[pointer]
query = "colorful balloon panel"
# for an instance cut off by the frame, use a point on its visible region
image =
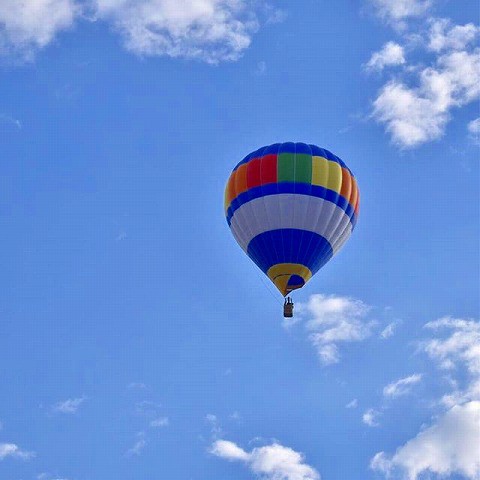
(291, 207)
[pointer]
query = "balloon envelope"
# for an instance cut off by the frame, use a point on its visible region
(291, 207)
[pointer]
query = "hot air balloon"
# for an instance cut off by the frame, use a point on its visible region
(291, 207)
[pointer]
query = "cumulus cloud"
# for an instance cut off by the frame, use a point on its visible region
(443, 35)
(229, 450)
(370, 417)
(208, 30)
(460, 396)
(69, 406)
(417, 103)
(450, 444)
(447, 447)
(402, 386)
(460, 348)
(10, 450)
(333, 320)
(414, 115)
(391, 54)
(26, 26)
(271, 462)
(396, 12)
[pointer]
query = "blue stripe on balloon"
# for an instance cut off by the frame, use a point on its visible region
(287, 240)
(291, 187)
(303, 148)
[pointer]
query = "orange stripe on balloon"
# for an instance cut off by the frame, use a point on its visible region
(231, 189)
(354, 194)
(241, 179)
(357, 205)
(346, 188)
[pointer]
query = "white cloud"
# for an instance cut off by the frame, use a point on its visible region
(447, 447)
(215, 427)
(138, 446)
(391, 54)
(273, 14)
(334, 320)
(147, 408)
(445, 36)
(134, 385)
(47, 476)
(473, 128)
(416, 106)
(450, 444)
(410, 118)
(211, 418)
(69, 406)
(229, 451)
(388, 331)
(402, 386)
(414, 115)
(271, 462)
(235, 416)
(150, 410)
(461, 348)
(352, 404)
(26, 26)
(13, 451)
(209, 30)
(160, 422)
(458, 397)
(397, 11)
(370, 417)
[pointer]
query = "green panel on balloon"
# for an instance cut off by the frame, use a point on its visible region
(286, 167)
(303, 168)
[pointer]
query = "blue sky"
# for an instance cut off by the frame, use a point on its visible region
(137, 340)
